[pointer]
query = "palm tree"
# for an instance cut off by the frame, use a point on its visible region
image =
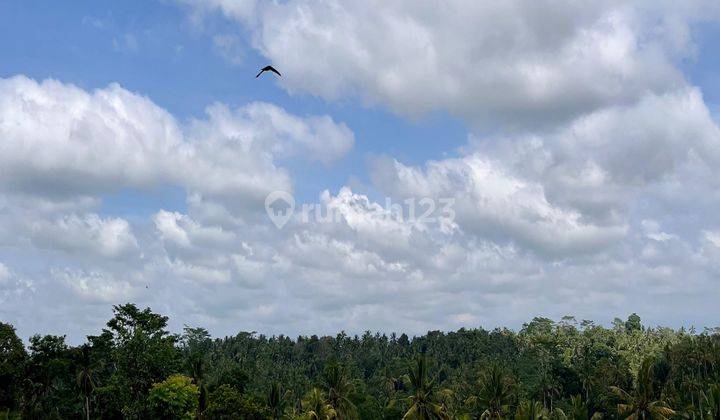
(276, 400)
(579, 410)
(495, 394)
(531, 410)
(712, 403)
(422, 404)
(85, 378)
(316, 407)
(448, 401)
(339, 390)
(197, 374)
(548, 388)
(641, 403)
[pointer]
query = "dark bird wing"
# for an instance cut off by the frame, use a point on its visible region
(268, 68)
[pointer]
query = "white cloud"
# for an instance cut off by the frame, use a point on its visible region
(96, 286)
(652, 231)
(167, 224)
(646, 141)
(236, 9)
(266, 127)
(514, 62)
(4, 273)
(65, 149)
(712, 236)
(60, 141)
(108, 237)
(198, 273)
(495, 204)
(663, 147)
(181, 230)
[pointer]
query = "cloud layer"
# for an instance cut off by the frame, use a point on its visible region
(517, 63)
(595, 192)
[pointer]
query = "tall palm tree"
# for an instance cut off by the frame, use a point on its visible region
(448, 401)
(711, 401)
(422, 402)
(277, 400)
(85, 378)
(339, 388)
(494, 395)
(315, 406)
(548, 387)
(640, 404)
(579, 410)
(197, 373)
(531, 410)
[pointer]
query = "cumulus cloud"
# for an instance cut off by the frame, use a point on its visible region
(108, 237)
(648, 141)
(65, 149)
(179, 231)
(525, 225)
(59, 140)
(663, 147)
(325, 276)
(515, 63)
(491, 202)
(96, 286)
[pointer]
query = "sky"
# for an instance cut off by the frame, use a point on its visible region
(577, 144)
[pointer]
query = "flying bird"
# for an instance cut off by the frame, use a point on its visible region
(268, 68)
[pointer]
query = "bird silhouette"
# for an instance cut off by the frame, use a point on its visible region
(268, 68)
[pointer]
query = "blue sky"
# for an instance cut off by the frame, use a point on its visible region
(580, 145)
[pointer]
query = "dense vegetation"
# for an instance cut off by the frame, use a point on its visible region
(136, 369)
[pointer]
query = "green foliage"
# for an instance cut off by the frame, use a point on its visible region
(577, 409)
(339, 388)
(85, 377)
(642, 403)
(567, 369)
(277, 400)
(422, 399)
(711, 403)
(633, 323)
(141, 352)
(494, 394)
(12, 358)
(531, 410)
(174, 398)
(227, 402)
(48, 381)
(316, 407)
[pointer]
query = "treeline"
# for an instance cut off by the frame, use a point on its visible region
(566, 369)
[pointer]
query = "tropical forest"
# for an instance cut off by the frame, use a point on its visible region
(135, 368)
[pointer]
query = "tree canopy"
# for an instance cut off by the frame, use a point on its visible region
(135, 368)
